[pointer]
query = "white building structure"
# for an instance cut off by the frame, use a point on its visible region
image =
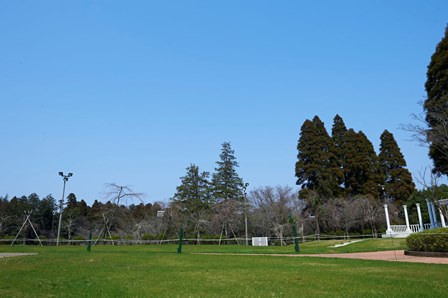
(402, 231)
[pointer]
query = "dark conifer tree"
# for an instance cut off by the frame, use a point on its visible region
(373, 177)
(317, 168)
(338, 134)
(436, 106)
(361, 169)
(193, 198)
(227, 185)
(398, 180)
(193, 194)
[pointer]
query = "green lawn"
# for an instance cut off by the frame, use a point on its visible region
(315, 247)
(157, 271)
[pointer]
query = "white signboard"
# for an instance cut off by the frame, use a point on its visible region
(259, 241)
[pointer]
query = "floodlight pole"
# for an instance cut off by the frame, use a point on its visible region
(245, 213)
(61, 204)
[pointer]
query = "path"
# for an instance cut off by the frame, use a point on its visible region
(390, 255)
(15, 254)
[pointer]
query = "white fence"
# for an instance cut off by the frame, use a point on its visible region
(414, 228)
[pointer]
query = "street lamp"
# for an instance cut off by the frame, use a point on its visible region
(61, 203)
(245, 212)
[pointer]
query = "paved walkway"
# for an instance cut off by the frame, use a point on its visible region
(15, 254)
(390, 255)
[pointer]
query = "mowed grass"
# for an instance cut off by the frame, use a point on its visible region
(313, 247)
(157, 271)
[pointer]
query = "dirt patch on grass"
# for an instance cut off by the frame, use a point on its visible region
(15, 254)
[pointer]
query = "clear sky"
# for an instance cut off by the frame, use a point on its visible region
(132, 92)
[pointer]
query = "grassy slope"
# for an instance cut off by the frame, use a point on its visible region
(155, 271)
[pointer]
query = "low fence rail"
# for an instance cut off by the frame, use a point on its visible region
(195, 241)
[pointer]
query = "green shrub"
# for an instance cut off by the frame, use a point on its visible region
(435, 240)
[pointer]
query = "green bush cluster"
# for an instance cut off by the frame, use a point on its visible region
(435, 240)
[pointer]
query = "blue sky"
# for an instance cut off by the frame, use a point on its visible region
(132, 92)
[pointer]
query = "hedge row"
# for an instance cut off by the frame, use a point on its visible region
(435, 240)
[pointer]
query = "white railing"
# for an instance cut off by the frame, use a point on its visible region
(398, 228)
(415, 228)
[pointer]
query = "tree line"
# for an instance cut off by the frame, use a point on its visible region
(340, 169)
(343, 183)
(207, 206)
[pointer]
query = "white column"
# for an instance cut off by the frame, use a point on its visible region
(408, 228)
(420, 220)
(442, 218)
(386, 211)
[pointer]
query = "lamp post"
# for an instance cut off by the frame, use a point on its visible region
(245, 213)
(61, 203)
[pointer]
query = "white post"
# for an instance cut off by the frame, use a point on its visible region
(386, 211)
(420, 220)
(408, 228)
(442, 218)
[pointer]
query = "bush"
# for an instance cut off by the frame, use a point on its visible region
(435, 240)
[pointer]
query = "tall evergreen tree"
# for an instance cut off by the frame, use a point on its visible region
(193, 196)
(338, 133)
(436, 106)
(398, 180)
(317, 168)
(361, 169)
(227, 185)
(339, 136)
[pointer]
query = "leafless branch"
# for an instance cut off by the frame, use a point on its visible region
(117, 193)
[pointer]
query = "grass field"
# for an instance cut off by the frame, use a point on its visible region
(157, 271)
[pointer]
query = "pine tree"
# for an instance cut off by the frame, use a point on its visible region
(436, 106)
(317, 168)
(361, 169)
(227, 185)
(193, 197)
(193, 194)
(398, 180)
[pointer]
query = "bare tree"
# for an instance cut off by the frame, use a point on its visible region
(4, 220)
(435, 137)
(119, 196)
(430, 182)
(119, 193)
(371, 213)
(272, 208)
(227, 215)
(69, 223)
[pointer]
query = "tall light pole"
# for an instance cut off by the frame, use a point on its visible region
(61, 203)
(245, 212)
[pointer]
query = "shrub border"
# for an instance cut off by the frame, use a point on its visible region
(429, 254)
